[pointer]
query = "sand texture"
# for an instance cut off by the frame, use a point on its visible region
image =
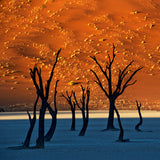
(31, 32)
(95, 145)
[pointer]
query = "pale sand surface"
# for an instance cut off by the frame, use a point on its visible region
(95, 145)
(92, 114)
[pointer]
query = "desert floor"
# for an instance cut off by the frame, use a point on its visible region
(31, 32)
(94, 145)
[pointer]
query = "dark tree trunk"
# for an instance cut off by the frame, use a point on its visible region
(121, 134)
(140, 116)
(72, 106)
(83, 130)
(51, 131)
(40, 140)
(84, 109)
(32, 124)
(81, 133)
(110, 125)
(73, 120)
(28, 137)
(120, 126)
(85, 122)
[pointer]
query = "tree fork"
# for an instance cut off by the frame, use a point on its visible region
(72, 106)
(84, 109)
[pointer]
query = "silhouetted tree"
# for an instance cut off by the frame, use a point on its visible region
(140, 116)
(125, 77)
(51, 131)
(32, 124)
(72, 106)
(44, 97)
(84, 108)
(120, 138)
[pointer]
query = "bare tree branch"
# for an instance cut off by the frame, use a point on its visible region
(121, 76)
(83, 97)
(111, 61)
(138, 104)
(55, 94)
(29, 116)
(51, 75)
(103, 71)
(33, 76)
(40, 81)
(130, 84)
(68, 99)
(124, 70)
(35, 104)
(88, 95)
(99, 83)
(129, 79)
(76, 101)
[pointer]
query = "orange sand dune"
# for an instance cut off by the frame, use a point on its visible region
(32, 31)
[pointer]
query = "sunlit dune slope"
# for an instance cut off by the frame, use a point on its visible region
(31, 32)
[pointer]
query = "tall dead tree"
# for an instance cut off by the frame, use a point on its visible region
(44, 97)
(140, 116)
(112, 92)
(84, 108)
(72, 106)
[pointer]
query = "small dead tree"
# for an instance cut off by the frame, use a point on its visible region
(140, 116)
(121, 135)
(44, 97)
(84, 109)
(112, 92)
(32, 124)
(72, 106)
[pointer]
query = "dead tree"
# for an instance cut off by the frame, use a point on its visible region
(84, 109)
(140, 116)
(32, 124)
(51, 131)
(120, 138)
(125, 77)
(44, 97)
(72, 106)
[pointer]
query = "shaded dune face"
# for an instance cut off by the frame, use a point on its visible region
(114, 6)
(32, 32)
(126, 5)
